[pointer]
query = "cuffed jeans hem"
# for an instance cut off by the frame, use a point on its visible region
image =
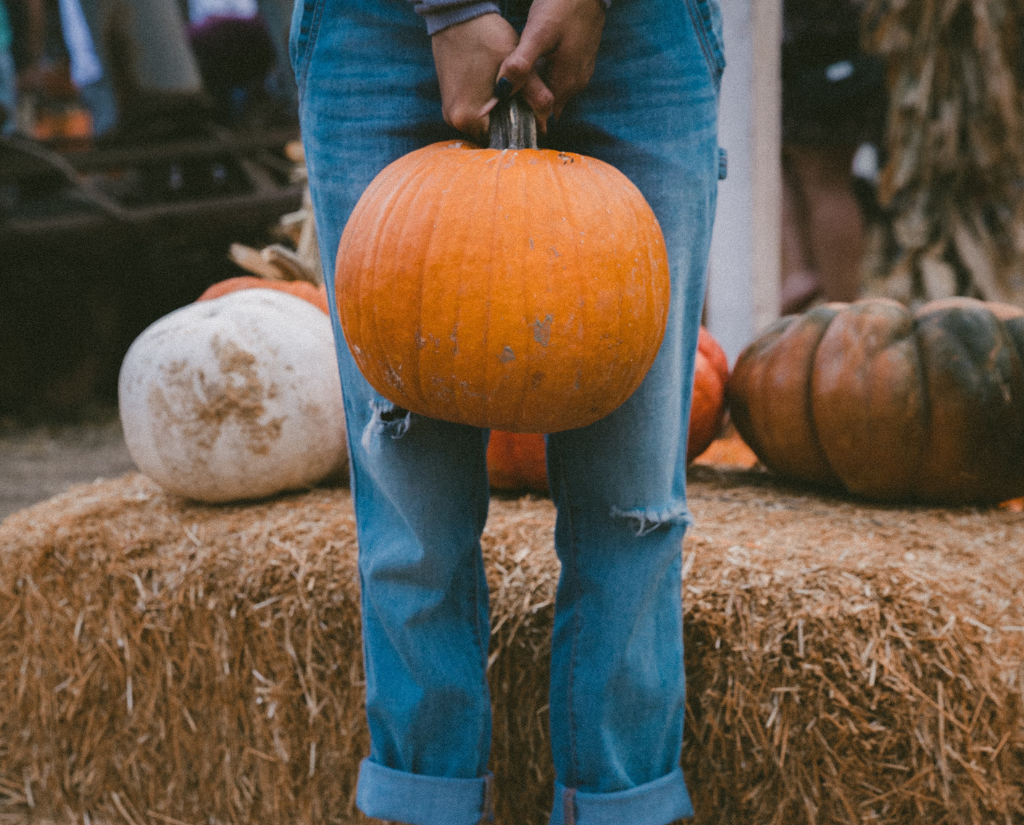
(384, 793)
(655, 803)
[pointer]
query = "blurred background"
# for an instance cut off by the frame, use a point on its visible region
(140, 139)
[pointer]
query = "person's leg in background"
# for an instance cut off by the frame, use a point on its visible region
(281, 83)
(823, 226)
(800, 283)
(8, 94)
(144, 62)
(833, 100)
(82, 23)
(8, 75)
(99, 99)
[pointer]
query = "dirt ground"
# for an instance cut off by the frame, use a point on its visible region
(38, 462)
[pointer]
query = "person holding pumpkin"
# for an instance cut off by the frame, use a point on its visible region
(634, 83)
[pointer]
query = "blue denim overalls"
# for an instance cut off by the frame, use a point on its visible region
(368, 94)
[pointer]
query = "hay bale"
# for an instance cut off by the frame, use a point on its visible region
(853, 663)
(167, 662)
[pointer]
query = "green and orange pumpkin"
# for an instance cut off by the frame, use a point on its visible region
(890, 404)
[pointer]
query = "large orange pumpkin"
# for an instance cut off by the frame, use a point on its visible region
(516, 461)
(518, 289)
(317, 296)
(890, 404)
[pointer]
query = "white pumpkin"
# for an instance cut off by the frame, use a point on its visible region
(235, 398)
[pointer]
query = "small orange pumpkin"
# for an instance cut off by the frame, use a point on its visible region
(707, 411)
(517, 289)
(516, 461)
(317, 296)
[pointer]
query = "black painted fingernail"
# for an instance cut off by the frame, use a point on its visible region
(503, 89)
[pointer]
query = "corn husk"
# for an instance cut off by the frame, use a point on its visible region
(952, 183)
(297, 258)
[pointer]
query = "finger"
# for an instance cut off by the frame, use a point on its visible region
(503, 89)
(473, 122)
(533, 44)
(539, 98)
(485, 118)
(565, 79)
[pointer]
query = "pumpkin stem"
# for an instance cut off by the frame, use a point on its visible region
(513, 125)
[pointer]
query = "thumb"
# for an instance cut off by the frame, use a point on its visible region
(520, 63)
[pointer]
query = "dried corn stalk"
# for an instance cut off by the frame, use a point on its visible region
(278, 262)
(954, 180)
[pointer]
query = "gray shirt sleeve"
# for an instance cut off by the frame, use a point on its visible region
(440, 14)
